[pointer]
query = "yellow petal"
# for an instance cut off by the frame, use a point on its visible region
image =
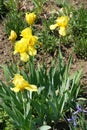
(21, 46)
(62, 21)
(15, 89)
(17, 79)
(53, 26)
(33, 40)
(31, 87)
(62, 31)
(26, 33)
(24, 57)
(13, 36)
(32, 51)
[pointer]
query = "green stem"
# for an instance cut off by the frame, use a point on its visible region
(24, 105)
(30, 94)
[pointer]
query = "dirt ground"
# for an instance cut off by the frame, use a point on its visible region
(6, 52)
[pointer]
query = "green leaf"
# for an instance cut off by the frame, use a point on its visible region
(40, 89)
(45, 127)
(27, 108)
(24, 75)
(61, 103)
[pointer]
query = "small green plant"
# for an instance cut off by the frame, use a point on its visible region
(12, 5)
(15, 18)
(50, 43)
(79, 22)
(80, 47)
(79, 31)
(62, 2)
(14, 21)
(2, 8)
(38, 5)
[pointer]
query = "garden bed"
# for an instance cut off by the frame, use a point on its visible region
(46, 56)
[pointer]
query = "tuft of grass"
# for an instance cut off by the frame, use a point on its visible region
(3, 8)
(80, 47)
(14, 21)
(38, 5)
(79, 31)
(79, 25)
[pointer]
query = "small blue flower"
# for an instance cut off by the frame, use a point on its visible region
(79, 109)
(75, 116)
(73, 120)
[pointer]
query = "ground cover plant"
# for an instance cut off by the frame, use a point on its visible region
(2, 8)
(35, 96)
(79, 31)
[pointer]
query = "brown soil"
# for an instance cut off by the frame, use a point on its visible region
(6, 51)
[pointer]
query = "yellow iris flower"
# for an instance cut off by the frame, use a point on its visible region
(26, 45)
(12, 36)
(27, 33)
(61, 22)
(30, 18)
(21, 84)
